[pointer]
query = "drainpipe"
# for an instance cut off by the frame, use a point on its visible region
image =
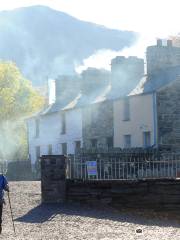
(155, 119)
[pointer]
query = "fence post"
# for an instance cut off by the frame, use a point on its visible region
(53, 178)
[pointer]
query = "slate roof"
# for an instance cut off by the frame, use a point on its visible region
(157, 80)
(146, 85)
(77, 101)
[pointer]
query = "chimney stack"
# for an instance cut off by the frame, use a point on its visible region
(159, 42)
(126, 73)
(169, 43)
(161, 58)
(93, 79)
(66, 86)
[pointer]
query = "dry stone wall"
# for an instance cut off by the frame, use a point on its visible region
(157, 194)
(97, 124)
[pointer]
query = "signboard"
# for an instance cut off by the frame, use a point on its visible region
(91, 168)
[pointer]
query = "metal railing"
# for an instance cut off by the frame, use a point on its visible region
(115, 168)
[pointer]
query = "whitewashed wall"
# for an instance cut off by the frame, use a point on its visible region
(142, 118)
(50, 133)
(73, 130)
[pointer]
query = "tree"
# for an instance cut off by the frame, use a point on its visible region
(18, 100)
(17, 96)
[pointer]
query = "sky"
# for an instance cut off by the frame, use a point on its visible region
(158, 17)
(151, 18)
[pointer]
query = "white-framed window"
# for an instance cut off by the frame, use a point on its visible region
(146, 139)
(93, 114)
(126, 109)
(127, 141)
(64, 148)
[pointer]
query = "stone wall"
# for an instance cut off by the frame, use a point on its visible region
(53, 178)
(160, 194)
(168, 115)
(149, 193)
(97, 122)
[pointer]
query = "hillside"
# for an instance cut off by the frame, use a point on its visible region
(44, 42)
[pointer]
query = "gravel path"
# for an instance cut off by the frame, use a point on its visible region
(72, 222)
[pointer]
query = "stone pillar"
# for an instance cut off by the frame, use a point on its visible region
(53, 178)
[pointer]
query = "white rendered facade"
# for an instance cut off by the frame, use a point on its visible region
(50, 138)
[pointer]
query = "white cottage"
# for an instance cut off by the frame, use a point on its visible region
(57, 129)
(54, 133)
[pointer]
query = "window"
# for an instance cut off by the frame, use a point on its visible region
(127, 141)
(38, 152)
(50, 149)
(37, 128)
(146, 139)
(64, 148)
(63, 123)
(126, 110)
(94, 143)
(94, 114)
(87, 115)
(109, 142)
(77, 145)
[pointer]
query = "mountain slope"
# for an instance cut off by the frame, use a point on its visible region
(44, 42)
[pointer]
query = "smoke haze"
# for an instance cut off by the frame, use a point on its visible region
(52, 42)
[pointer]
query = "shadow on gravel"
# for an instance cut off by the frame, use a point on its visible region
(46, 212)
(40, 214)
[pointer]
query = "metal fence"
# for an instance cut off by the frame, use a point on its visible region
(127, 168)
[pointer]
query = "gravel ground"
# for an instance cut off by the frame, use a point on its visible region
(74, 221)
